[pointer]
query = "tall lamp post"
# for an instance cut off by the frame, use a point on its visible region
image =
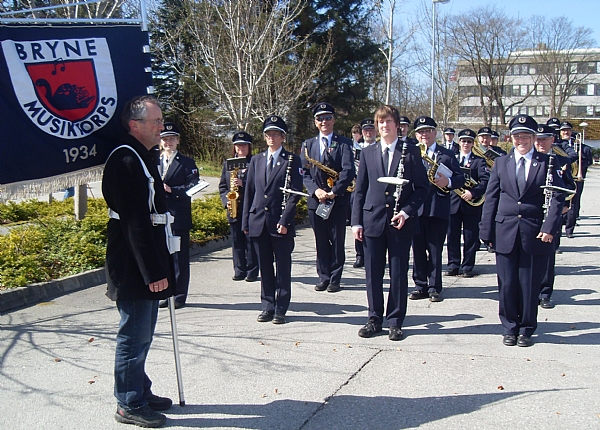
(433, 56)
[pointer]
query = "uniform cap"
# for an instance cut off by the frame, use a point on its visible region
(323, 108)
(242, 137)
(553, 122)
(367, 123)
(169, 129)
(483, 131)
(467, 133)
(404, 120)
(448, 130)
(545, 130)
(275, 122)
(424, 122)
(566, 125)
(522, 123)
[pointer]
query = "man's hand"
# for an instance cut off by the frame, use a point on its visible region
(167, 188)
(467, 196)
(321, 195)
(441, 180)
(398, 221)
(281, 229)
(358, 234)
(545, 237)
(159, 286)
(238, 182)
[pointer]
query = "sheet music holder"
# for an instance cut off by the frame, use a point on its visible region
(202, 184)
(236, 163)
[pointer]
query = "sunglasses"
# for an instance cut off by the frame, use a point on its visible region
(324, 118)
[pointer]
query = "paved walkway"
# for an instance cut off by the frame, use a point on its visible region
(450, 372)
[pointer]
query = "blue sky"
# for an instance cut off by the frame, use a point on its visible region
(583, 13)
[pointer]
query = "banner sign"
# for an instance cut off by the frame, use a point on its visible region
(62, 90)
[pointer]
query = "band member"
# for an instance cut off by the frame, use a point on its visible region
(544, 144)
(403, 127)
(484, 135)
(435, 214)
(369, 135)
(465, 209)
(495, 137)
(329, 200)
(232, 188)
(566, 130)
(385, 223)
(449, 142)
(356, 136)
(179, 173)
(268, 218)
(514, 221)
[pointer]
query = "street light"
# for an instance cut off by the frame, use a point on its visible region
(433, 56)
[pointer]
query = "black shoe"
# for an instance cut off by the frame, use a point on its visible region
(251, 278)
(491, 250)
(158, 403)
(418, 294)
(238, 277)
(142, 417)
(435, 297)
(546, 304)
(163, 304)
(524, 341)
(558, 251)
(451, 272)
(322, 286)
(570, 235)
(509, 340)
(395, 333)
(467, 274)
(370, 329)
(265, 316)
(333, 288)
(279, 319)
(359, 263)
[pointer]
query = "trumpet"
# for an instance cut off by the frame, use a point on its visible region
(433, 167)
(333, 175)
(233, 195)
(579, 149)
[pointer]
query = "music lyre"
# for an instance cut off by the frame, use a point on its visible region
(62, 67)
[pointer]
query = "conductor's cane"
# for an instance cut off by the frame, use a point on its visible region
(176, 350)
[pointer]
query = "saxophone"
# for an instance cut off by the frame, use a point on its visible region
(233, 195)
(333, 175)
(433, 167)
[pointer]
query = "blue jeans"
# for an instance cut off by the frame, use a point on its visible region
(136, 329)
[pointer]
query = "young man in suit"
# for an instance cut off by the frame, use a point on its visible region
(464, 216)
(434, 215)
(449, 142)
(515, 223)
(268, 218)
(385, 223)
(179, 173)
(335, 153)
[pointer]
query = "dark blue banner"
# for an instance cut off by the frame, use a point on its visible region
(62, 89)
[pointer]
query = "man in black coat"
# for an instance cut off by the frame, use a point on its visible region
(465, 209)
(374, 210)
(334, 152)
(514, 222)
(179, 173)
(434, 215)
(139, 269)
(268, 218)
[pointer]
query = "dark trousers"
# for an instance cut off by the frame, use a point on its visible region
(397, 246)
(136, 329)
(330, 238)
(359, 248)
(427, 254)
(181, 264)
(468, 223)
(547, 285)
(573, 212)
(245, 258)
(519, 277)
(275, 282)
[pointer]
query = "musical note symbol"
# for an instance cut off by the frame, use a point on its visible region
(62, 67)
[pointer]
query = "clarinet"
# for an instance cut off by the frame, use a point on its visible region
(399, 175)
(287, 183)
(548, 187)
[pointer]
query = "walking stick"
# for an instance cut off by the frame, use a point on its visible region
(176, 350)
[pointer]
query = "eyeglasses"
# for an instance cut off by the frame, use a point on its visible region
(323, 118)
(154, 121)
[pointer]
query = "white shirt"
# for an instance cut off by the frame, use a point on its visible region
(322, 144)
(274, 155)
(391, 147)
(528, 157)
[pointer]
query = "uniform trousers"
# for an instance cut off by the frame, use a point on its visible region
(468, 223)
(245, 258)
(397, 245)
(573, 212)
(181, 265)
(276, 281)
(427, 254)
(519, 277)
(547, 286)
(330, 238)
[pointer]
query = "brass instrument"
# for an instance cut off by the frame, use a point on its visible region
(233, 195)
(333, 175)
(489, 155)
(574, 165)
(579, 149)
(470, 183)
(432, 169)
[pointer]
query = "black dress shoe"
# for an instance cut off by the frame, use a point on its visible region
(265, 316)
(238, 277)
(546, 304)
(451, 272)
(395, 333)
(322, 286)
(333, 288)
(358, 263)
(179, 305)
(370, 329)
(163, 304)
(142, 417)
(158, 403)
(418, 295)
(435, 297)
(570, 235)
(251, 278)
(524, 341)
(467, 274)
(279, 319)
(509, 340)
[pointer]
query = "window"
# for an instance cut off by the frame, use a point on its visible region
(581, 90)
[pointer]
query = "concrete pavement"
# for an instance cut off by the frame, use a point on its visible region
(450, 372)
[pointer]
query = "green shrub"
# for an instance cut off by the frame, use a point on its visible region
(33, 209)
(209, 219)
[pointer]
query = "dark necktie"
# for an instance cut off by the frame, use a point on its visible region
(269, 166)
(521, 181)
(386, 160)
(326, 145)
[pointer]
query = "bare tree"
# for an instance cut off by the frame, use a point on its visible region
(561, 58)
(101, 9)
(244, 56)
